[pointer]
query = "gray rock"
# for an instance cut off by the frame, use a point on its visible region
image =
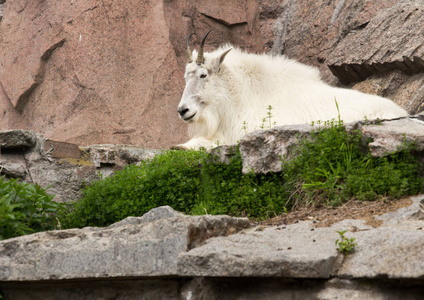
(295, 251)
(17, 139)
(223, 153)
(386, 252)
(405, 215)
(13, 165)
(263, 151)
(144, 250)
(159, 213)
(390, 136)
(119, 155)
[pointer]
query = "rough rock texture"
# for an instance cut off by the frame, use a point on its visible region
(149, 248)
(64, 168)
(167, 255)
(291, 252)
(391, 136)
(264, 151)
(309, 30)
(397, 45)
(21, 139)
(303, 251)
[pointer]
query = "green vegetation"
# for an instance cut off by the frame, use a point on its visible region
(189, 181)
(25, 208)
(328, 168)
(345, 245)
(332, 167)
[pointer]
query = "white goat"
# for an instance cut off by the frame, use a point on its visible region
(219, 97)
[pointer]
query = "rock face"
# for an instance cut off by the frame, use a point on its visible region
(63, 168)
(396, 45)
(218, 257)
(354, 39)
(109, 72)
(106, 72)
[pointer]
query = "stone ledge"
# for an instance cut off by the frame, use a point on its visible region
(218, 257)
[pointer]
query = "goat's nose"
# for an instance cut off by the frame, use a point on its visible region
(182, 111)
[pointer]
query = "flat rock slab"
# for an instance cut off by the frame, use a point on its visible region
(300, 250)
(295, 251)
(386, 253)
(126, 250)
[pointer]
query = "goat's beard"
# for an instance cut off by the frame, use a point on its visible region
(206, 125)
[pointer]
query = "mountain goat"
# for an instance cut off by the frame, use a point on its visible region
(220, 96)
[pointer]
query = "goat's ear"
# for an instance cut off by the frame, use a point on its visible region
(217, 61)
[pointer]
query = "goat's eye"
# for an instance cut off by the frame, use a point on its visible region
(203, 76)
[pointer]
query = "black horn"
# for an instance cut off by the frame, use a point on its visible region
(200, 59)
(189, 57)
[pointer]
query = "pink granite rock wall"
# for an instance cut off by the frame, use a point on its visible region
(107, 71)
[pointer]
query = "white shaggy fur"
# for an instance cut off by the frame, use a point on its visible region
(227, 90)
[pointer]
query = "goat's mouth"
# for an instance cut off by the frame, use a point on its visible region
(189, 118)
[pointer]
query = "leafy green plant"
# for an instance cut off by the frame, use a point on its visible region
(171, 178)
(193, 182)
(25, 208)
(345, 245)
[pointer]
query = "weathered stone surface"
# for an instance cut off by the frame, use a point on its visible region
(391, 135)
(160, 213)
(386, 252)
(145, 249)
(393, 250)
(125, 289)
(213, 289)
(302, 251)
(58, 149)
(17, 139)
(136, 256)
(360, 289)
(263, 151)
(64, 168)
(397, 24)
(295, 251)
(309, 31)
(13, 165)
(411, 94)
(118, 154)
